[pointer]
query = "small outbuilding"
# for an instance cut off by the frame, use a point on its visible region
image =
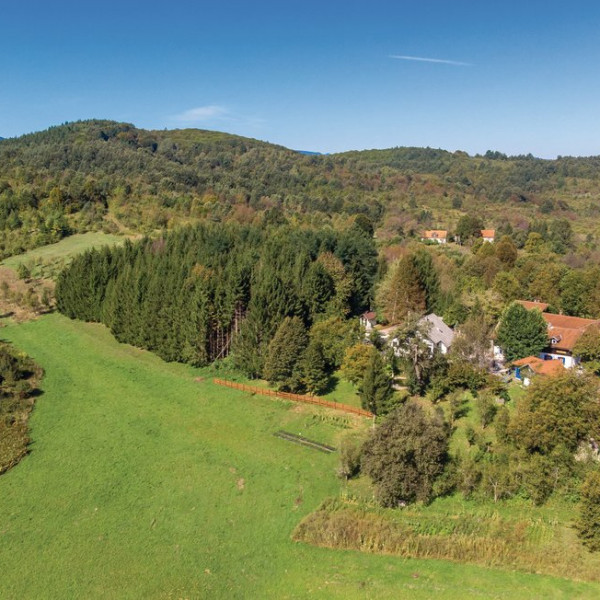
(525, 369)
(368, 320)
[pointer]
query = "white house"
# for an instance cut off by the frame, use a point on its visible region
(439, 335)
(436, 334)
(435, 235)
(368, 320)
(488, 235)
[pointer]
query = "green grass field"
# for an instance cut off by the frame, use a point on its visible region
(63, 250)
(143, 483)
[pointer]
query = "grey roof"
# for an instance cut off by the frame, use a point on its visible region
(438, 330)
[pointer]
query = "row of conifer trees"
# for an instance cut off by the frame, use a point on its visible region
(194, 294)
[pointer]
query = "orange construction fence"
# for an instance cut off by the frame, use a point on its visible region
(295, 397)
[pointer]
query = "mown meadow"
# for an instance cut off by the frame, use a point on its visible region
(143, 482)
(46, 261)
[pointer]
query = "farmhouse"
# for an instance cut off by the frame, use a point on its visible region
(435, 235)
(527, 368)
(368, 320)
(563, 333)
(436, 334)
(488, 235)
(439, 336)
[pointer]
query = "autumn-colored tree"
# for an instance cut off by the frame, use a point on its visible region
(587, 348)
(336, 335)
(355, 362)
(401, 292)
(545, 283)
(535, 243)
(574, 288)
(472, 342)
(508, 286)
(506, 251)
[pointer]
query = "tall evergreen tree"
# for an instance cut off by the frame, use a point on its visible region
(376, 388)
(429, 279)
(282, 364)
(521, 332)
(314, 369)
(402, 291)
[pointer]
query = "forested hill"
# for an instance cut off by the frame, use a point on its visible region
(103, 174)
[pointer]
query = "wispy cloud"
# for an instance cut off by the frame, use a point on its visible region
(216, 112)
(443, 61)
(202, 113)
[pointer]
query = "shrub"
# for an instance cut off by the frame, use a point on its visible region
(588, 522)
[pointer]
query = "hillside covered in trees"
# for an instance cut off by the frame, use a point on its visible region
(112, 176)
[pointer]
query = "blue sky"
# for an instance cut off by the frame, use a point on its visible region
(520, 76)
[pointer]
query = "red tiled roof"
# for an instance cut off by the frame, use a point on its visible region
(488, 233)
(531, 305)
(369, 315)
(566, 330)
(540, 366)
(563, 329)
(433, 234)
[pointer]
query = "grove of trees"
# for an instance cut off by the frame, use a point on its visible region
(277, 299)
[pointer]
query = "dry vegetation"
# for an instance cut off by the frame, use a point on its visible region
(531, 543)
(24, 299)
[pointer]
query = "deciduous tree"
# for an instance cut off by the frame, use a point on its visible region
(405, 455)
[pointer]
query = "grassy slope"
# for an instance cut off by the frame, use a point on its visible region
(65, 249)
(133, 490)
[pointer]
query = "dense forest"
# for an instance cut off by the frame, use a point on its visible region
(113, 176)
(187, 294)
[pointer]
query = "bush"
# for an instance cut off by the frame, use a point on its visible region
(487, 408)
(588, 522)
(464, 375)
(350, 454)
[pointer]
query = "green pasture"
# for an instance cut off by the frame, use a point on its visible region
(64, 250)
(145, 483)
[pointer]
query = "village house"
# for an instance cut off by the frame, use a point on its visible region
(488, 235)
(436, 334)
(563, 333)
(435, 235)
(368, 320)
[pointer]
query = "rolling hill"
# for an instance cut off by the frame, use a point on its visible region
(102, 174)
